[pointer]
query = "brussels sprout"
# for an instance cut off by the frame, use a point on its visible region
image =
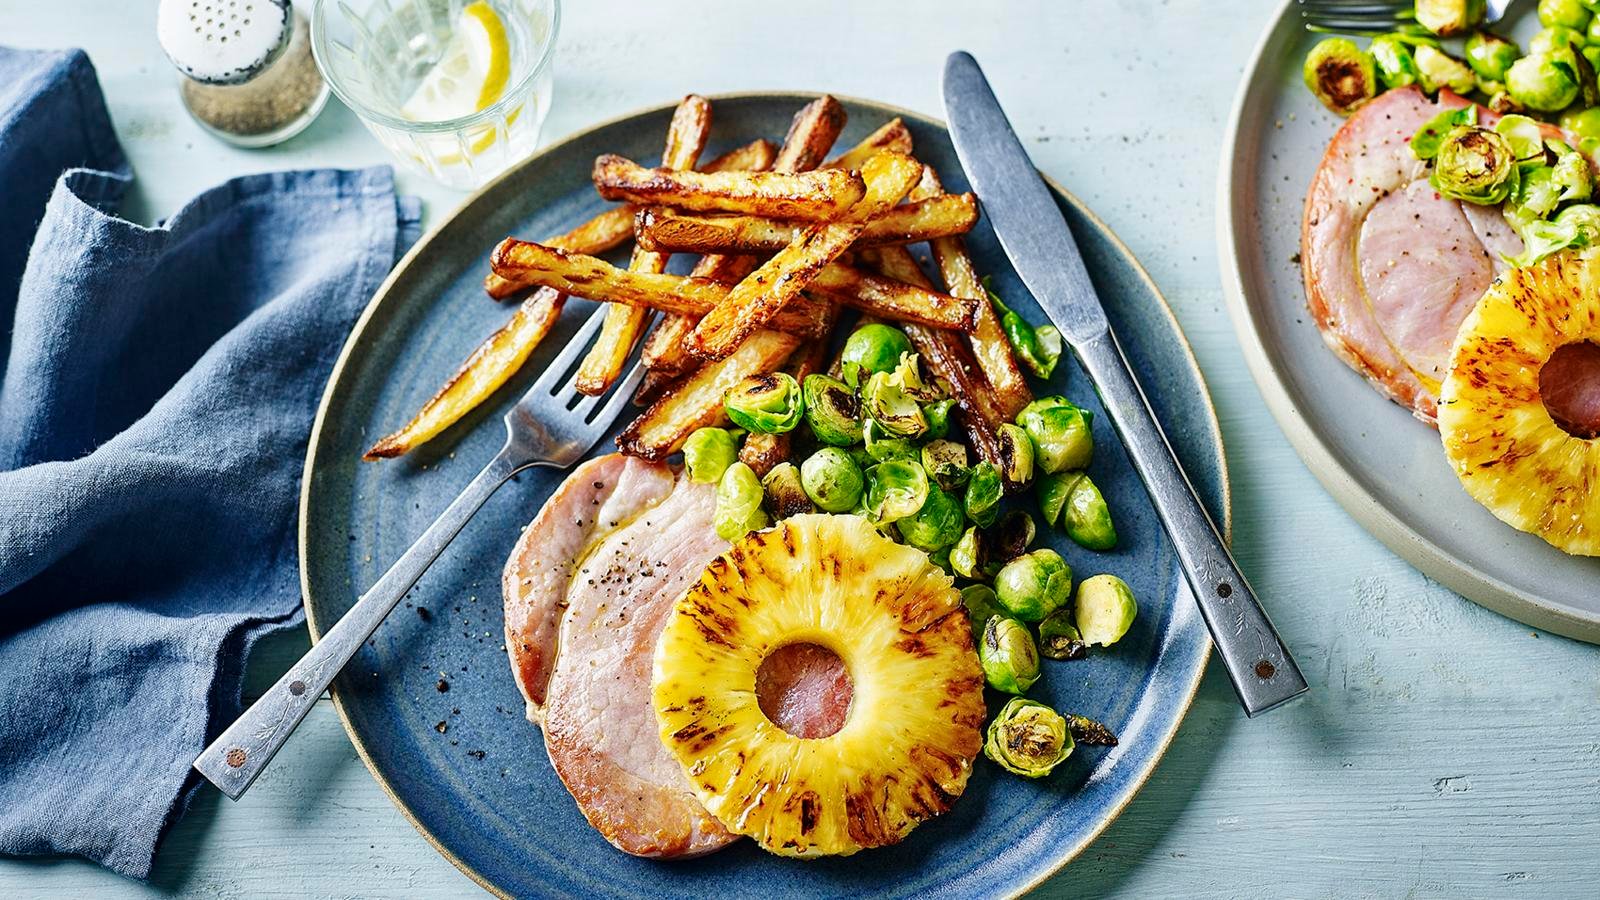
(1088, 732)
(1062, 438)
(1567, 13)
(832, 410)
(1537, 194)
(1575, 226)
(769, 404)
(786, 495)
(1583, 124)
(1490, 55)
(968, 556)
(1028, 738)
(832, 480)
(938, 415)
(708, 453)
(981, 607)
(1425, 143)
(1034, 585)
(1499, 98)
(1546, 82)
(872, 348)
(941, 558)
(1549, 40)
(946, 463)
(880, 445)
(739, 497)
(1009, 658)
(891, 407)
(1012, 537)
(896, 489)
(1104, 610)
(1525, 136)
(1085, 516)
(1441, 70)
(1037, 348)
(936, 525)
(982, 500)
(1571, 173)
(1449, 17)
(1392, 57)
(1340, 75)
(1475, 165)
(1016, 454)
(1059, 638)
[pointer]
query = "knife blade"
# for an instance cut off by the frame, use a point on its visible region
(1040, 245)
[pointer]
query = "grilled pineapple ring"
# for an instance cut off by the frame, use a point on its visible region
(913, 726)
(1509, 453)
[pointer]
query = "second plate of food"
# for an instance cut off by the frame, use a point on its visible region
(431, 703)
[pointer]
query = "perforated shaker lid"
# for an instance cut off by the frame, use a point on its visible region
(223, 41)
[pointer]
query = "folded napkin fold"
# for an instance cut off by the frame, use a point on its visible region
(155, 403)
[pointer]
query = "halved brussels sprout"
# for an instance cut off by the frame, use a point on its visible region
(1449, 17)
(1084, 514)
(1551, 39)
(1028, 738)
(1567, 13)
(1037, 348)
(832, 480)
(891, 407)
(786, 495)
(1011, 538)
(872, 348)
(967, 557)
(770, 403)
(1524, 135)
(1391, 54)
(1475, 165)
(897, 488)
(981, 607)
(1341, 75)
(936, 525)
(739, 497)
(1547, 82)
(938, 416)
(1441, 70)
(1061, 433)
(1016, 454)
(832, 410)
(946, 463)
(1009, 658)
(1489, 55)
(1105, 610)
(881, 445)
(1059, 638)
(708, 453)
(984, 488)
(1034, 585)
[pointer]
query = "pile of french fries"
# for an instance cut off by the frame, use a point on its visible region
(787, 240)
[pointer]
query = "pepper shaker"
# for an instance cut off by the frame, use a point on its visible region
(248, 75)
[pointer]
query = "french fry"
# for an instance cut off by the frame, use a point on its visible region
(596, 236)
(665, 355)
(762, 452)
(603, 364)
(764, 293)
(811, 135)
(817, 196)
(894, 136)
(890, 298)
(756, 156)
(697, 401)
(586, 276)
(666, 231)
(489, 367)
(988, 342)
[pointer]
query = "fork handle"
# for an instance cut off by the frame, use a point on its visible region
(240, 753)
(1258, 664)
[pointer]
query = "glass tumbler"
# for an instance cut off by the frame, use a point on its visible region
(375, 53)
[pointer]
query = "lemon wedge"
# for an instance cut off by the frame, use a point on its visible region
(470, 75)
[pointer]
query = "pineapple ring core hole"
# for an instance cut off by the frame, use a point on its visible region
(805, 689)
(1569, 385)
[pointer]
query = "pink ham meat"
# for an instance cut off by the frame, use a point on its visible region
(587, 590)
(1391, 268)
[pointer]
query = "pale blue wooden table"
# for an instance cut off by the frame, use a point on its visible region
(1444, 751)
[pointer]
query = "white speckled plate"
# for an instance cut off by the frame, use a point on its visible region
(1385, 467)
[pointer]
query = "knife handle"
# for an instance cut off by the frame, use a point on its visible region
(1258, 664)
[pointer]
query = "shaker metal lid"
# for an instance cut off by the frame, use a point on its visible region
(223, 41)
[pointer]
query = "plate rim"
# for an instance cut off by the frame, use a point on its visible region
(1377, 519)
(357, 333)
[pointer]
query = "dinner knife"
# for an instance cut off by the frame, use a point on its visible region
(1036, 238)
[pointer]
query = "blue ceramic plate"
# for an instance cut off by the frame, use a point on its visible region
(479, 786)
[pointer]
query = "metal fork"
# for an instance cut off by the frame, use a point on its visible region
(1374, 16)
(551, 425)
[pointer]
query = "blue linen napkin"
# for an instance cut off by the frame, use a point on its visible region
(155, 402)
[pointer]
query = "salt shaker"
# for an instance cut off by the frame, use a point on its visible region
(248, 74)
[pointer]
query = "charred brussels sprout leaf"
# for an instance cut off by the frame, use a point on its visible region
(1060, 432)
(1028, 738)
(739, 497)
(1489, 55)
(786, 496)
(1059, 638)
(1088, 732)
(872, 348)
(946, 463)
(981, 607)
(832, 410)
(1475, 165)
(1016, 454)
(1009, 657)
(1034, 585)
(1341, 75)
(936, 525)
(1449, 17)
(832, 480)
(1104, 610)
(1547, 82)
(1037, 348)
(708, 453)
(891, 399)
(770, 403)
(982, 500)
(897, 488)
(1425, 143)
